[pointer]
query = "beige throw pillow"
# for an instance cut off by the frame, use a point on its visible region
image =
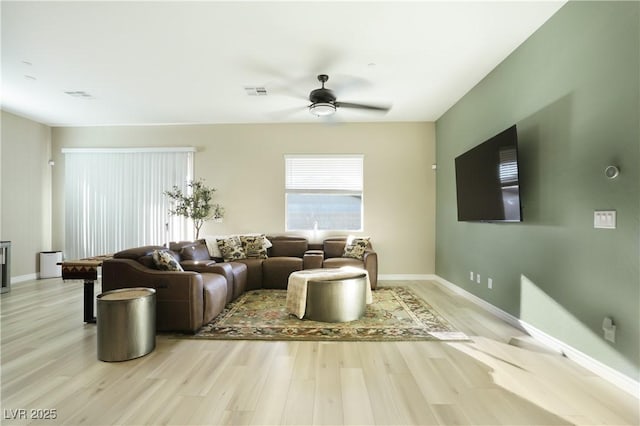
(165, 261)
(254, 246)
(355, 247)
(231, 249)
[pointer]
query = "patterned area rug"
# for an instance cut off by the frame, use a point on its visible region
(396, 314)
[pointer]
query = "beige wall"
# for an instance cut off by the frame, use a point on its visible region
(245, 163)
(25, 192)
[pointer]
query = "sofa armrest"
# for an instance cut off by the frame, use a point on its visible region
(371, 265)
(313, 259)
(179, 295)
(197, 265)
(210, 266)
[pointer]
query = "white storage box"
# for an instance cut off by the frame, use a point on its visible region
(49, 267)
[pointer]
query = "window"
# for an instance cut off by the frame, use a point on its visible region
(323, 192)
(114, 198)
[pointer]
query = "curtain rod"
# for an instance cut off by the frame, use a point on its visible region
(126, 150)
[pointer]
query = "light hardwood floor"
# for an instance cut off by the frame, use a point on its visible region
(49, 363)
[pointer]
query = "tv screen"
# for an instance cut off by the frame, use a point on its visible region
(487, 181)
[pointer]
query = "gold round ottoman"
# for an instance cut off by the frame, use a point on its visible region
(340, 300)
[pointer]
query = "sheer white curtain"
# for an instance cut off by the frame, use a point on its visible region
(114, 198)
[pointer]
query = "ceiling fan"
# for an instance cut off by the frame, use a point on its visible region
(325, 103)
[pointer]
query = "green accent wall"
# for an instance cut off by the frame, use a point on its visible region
(573, 89)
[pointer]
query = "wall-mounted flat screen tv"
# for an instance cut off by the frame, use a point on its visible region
(487, 180)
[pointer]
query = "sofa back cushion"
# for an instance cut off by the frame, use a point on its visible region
(136, 253)
(288, 246)
(147, 260)
(144, 255)
(334, 247)
(195, 251)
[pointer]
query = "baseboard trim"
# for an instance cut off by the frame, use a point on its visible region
(618, 379)
(22, 278)
(405, 277)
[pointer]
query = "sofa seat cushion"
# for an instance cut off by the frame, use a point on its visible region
(254, 273)
(239, 273)
(276, 271)
(339, 262)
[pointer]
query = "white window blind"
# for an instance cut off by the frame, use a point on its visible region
(340, 173)
(324, 192)
(114, 198)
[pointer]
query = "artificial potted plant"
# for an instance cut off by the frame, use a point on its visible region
(195, 204)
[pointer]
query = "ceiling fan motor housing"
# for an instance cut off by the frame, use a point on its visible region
(322, 95)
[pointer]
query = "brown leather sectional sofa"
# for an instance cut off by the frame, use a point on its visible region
(186, 300)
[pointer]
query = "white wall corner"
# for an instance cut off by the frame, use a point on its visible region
(618, 379)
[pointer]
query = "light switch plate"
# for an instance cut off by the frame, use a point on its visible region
(604, 219)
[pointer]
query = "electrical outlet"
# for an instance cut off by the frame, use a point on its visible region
(471, 275)
(609, 328)
(478, 278)
(605, 219)
(490, 283)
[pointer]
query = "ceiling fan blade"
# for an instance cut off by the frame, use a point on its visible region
(344, 84)
(285, 90)
(285, 113)
(277, 82)
(377, 108)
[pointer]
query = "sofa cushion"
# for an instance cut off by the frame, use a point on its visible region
(254, 273)
(147, 261)
(339, 262)
(137, 252)
(231, 249)
(254, 246)
(195, 251)
(276, 271)
(165, 261)
(334, 247)
(355, 247)
(288, 246)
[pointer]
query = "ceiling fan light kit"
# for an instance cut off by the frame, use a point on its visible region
(322, 109)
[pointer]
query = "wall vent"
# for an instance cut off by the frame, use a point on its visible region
(255, 91)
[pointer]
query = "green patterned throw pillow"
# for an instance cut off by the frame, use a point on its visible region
(165, 261)
(231, 249)
(355, 247)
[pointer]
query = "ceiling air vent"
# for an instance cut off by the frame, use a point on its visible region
(79, 94)
(255, 91)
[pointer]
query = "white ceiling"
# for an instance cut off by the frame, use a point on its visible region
(189, 62)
